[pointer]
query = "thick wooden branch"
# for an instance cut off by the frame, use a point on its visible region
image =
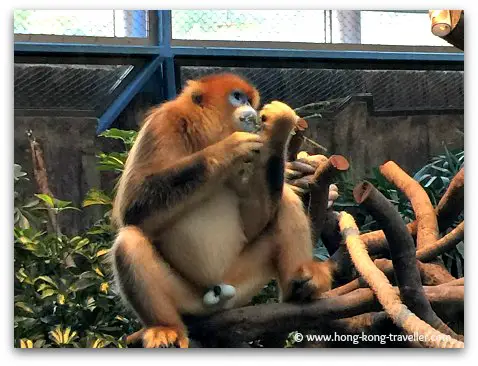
(456, 37)
(246, 324)
(403, 252)
(385, 293)
(443, 245)
(431, 274)
(319, 190)
(427, 231)
(449, 207)
(452, 202)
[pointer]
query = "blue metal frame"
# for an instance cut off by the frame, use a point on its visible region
(162, 65)
(165, 29)
(318, 54)
(114, 110)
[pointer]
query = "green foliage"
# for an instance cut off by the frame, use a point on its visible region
(115, 161)
(63, 296)
(436, 176)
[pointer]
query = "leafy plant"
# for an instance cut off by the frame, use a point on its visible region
(436, 175)
(63, 296)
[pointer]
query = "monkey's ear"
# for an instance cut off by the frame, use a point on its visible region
(197, 97)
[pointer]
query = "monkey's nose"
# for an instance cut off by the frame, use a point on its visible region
(249, 115)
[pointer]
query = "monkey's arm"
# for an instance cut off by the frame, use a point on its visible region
(172, 190)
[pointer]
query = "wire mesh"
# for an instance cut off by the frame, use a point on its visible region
(392, 90)
(66, 87)
(308, 26)
(93, 23)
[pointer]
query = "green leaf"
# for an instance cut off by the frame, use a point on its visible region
(48, 280)
(461, 248)
(62, 204)
(96, 197)
(24, 307)
(47, 199)
(39, 343)
(47, 293)
(23, 221)
(43, 287)
(429, 183)
(82, 243)
(17, 172)
(82, 283)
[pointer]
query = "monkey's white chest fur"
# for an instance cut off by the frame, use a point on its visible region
(200, 253)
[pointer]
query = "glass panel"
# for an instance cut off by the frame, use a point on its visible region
(94, 23)
(309, 26)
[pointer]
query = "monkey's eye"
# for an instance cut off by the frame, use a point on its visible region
(237, 98)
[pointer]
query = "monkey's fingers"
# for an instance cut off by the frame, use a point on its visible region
(292, 174)
(301, 167)
(303, 182)
(312, 160)
(333, 195)
(164, 337)
(333, 187)
(298, 191)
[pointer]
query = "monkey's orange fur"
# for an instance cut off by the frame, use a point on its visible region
(181, 225)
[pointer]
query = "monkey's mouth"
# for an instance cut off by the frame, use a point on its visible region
(252, 124)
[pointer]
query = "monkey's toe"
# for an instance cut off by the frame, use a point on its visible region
(310, 281)
(164, 337)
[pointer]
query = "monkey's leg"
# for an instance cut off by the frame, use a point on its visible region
(154, 292)
(262, 192)
(300, 276)
(252, 270)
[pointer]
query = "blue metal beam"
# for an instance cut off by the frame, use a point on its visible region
(113, 49)
(171, 51)
(317, 54)
(165, 32)
(114, 110)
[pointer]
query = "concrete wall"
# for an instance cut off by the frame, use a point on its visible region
(69, 146)
(368, 140)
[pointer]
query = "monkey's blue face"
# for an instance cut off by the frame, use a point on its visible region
(245, 117)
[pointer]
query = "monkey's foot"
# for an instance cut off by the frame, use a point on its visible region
(164, 337)
(310, 281)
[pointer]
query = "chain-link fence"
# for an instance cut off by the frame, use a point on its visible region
(392, 90)
(66, 87)
(92, 23)
(306, 26)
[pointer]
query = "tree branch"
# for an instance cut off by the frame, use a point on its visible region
(403, 252)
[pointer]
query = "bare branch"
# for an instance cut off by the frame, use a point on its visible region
(385, 293)
(402, 250)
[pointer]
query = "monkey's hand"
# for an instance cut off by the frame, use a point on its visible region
(279, 120)
(242, 145)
